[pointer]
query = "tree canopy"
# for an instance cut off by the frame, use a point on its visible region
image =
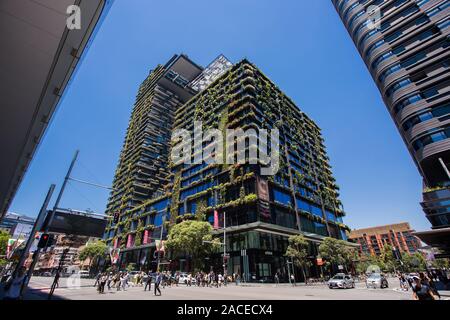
(188, 238)
(4, 237)
(93, 250)
(298, 251)
(336, 252)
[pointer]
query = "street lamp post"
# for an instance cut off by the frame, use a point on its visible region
(224, 245)
(160, 239)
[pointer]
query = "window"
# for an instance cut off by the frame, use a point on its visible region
(381, 58)
(391, 70)
(436, 112)
(282, 197)
(356, 16)
(407, 101)
(431, 138)
(397, 86)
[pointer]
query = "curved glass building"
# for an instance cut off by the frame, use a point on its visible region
(405, 45)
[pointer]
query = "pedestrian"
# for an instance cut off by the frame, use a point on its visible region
(430, 283)
(277, 279)
(189, 280)
(157, 283)
(238, 279)
(147, 281)
(123, 282)
(422, 291)
(102, 283)
(97, 279)
(109, 280)
(57, 276)
(116, 280)
(15, 285)
(293, 280)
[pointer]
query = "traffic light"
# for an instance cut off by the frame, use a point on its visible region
(43, 241)
(51, 240)
(46, 240)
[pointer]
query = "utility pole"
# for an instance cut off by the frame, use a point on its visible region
(160, 239)
(58, 273)
(36, 227)
(63, 187)
(444, 167)
(52, 213)
(224, 244)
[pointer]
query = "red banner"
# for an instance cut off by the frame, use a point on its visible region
(130, 241)
(216, 220)
(146, 237)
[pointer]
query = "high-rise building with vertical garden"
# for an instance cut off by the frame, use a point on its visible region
(261, 211)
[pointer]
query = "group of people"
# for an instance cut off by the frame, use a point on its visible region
(123, 280)
(423, 285)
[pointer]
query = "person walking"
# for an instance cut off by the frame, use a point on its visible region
(238, 279)
(97, 279)
(119, 280)
(430, 283)
(220, 280)
(123, 282)
(108, 281)
(157, 283)
(147, 281)
(15, 285)
(277, 279)
(102, 283)
(422, 291)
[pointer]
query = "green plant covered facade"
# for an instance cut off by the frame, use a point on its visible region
(261, 211)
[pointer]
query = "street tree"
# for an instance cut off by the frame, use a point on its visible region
(335, 252)
(298, 251)
(93, 251)
(387, 260)
(192, 238)
(413, 262)
(441, 263)
(366, 263)
(4, 236)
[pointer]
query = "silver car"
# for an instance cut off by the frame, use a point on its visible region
(377, 280)
(342, 281)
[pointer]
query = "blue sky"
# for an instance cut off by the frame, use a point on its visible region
(301, 45)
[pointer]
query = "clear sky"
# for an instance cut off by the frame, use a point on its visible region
(300, 44)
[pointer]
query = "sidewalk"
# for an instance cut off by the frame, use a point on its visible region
(444, 293)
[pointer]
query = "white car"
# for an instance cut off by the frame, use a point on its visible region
(83, 274)
(342, 281)
(184, 278)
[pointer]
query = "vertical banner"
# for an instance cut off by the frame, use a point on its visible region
(116, 243)
(114, 254)
(264, 197)
(263, 189)
(130, 241)
(216, 220)
(145, 237)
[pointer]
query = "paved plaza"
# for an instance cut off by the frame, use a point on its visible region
(39, 287)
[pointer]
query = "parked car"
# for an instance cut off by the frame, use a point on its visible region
(377, 280)
(184, 279)
(83, 274)
(341, 280)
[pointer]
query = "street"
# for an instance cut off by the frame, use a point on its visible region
(39, 287)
